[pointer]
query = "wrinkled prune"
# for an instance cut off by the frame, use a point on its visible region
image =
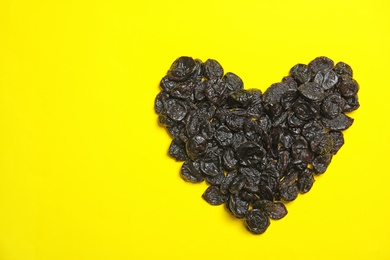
(177, 150)
(176, 109)
(343, 69)
(212, 69)
(347, 86)
(237, 206)
(326, 79)
(256, 221)
(190, 173)
(301, 73)
(214, 196)
(181, 69)
(320, 63)
(255, 151)
(332, 106)
(312, 91)
(321, 162)
(341, 122)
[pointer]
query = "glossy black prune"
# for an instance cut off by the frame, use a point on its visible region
(326, 79)
(233, 82)
(196, 146)
(176, 109)
(212, 69)
(340, 122)
(312, 91)
(181, 69)
(321, 63)
(255, 151)
(256, 221)
(301, 73)
(347, 86)
(332, 105)
(189, 172)
(237, 206)
(214, 196)
(321, 162)
(342, 68)
(177, 150)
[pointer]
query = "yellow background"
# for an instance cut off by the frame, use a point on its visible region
(84, 171)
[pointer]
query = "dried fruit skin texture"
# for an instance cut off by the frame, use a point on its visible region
(255, 150)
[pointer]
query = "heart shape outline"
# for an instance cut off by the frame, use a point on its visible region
(256, 150)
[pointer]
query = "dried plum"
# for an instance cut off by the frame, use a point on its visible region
(181, 69)
(301, 73)
(320, 63)
(256, 221)
(190, 173)
(341, 122)
(212, 69)
(312, 91)
(214, 196)
(332, 106)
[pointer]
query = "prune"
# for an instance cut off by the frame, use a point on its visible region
(304, 112)
(160, 101)
(224, 187)
(305, 181)
(338, 141)
(342, 68)
(237, 184)
(255, 151)
(332, 106)
(181, 69)
(196, 146)
(215, 91)
(214, 196)
(290, 81)
(322, 144)
(326, 79)
(177, 150)
(228, 160)
(233, 82)
(190, 173)
(237, 206)
(277, 210)
(251, 174)
(240, 98)
(320, 63)
(176, 109)
(214, 180)
(289, 193)
(312, 129)
(256, 221)
(321, 162)
(235, 121)
(300, 150)
(347, 86)
(167, 84)
(250, 153)
(341, 122)
(223, 135)
(301, 73)
(275, 92)
(212, 69)
(351, 104)
(183, 90)
(312, 91)
(210, 167)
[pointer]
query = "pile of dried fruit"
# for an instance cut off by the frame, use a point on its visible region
(255, 150)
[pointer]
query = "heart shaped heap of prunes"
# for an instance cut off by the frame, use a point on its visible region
(255, 150)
